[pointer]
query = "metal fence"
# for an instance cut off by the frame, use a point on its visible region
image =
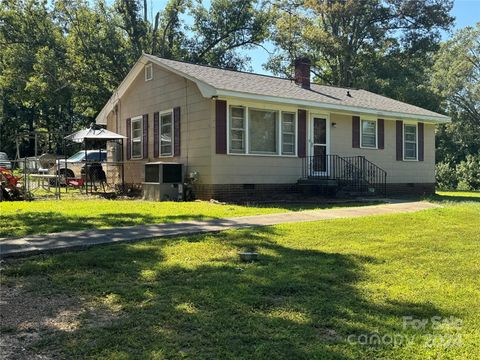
(87, 171)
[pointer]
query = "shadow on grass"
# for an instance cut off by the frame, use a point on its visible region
(452, 197)
(291, 304)
(27, 223)
(330, 204)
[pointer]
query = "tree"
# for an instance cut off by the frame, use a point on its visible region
(342, 36)
(99, 53)
(168, 34)
(456, 77)
(134, 24)
(456, 74)
(213, 38)
(60, 61)
(35, 91)
(225, 27)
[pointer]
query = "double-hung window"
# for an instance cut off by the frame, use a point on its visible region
(237, 130)
(368, 134)
(410, 141)
(137, 137)
(288, 133)
(166, 134)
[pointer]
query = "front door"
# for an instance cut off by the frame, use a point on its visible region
(319, 145)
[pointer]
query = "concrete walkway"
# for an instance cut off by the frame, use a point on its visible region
(32, 244)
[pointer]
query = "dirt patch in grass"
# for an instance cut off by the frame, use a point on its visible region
(26, 318)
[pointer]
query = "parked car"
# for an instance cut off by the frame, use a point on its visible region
(4, 162)
(72, 167)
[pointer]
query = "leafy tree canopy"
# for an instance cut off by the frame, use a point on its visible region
(456, 78)
(456, 74)
(339, 36)
(61, 61)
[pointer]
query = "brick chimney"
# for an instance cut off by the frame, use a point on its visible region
(302, 72)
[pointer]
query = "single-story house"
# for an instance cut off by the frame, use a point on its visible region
(246, 133)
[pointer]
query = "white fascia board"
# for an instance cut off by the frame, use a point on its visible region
(315, 104)
(206, 90)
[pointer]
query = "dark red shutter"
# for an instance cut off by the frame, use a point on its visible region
(355, 131)
(421, 141)
(302, 133)
(381, 133)
(221, 126)
(399, 135)
(156, 138)
(129, 139)
(145, 136)
(176, 131)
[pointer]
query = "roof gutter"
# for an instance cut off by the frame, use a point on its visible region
(440, 119)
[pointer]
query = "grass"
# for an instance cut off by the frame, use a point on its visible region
(456, 195)
(318, 291)
(49, 216)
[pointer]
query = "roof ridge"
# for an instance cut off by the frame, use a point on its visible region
(252, 73)
(338, 87)
(219, 68)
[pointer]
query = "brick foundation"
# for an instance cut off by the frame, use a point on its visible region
(411, 189)
(243, 192)
(261, 192)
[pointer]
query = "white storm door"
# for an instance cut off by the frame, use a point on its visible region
(319, 140)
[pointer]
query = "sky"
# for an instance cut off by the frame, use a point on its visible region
(466, 12)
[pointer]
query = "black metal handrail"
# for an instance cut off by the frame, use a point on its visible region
(373, 175)
(353, 172)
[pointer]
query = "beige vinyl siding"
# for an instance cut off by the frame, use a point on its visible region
(249, 169)
(256, 169)
(168, 90)
(397, 171)
(164, 92)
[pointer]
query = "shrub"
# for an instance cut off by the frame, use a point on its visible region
(446, 176)
(468, 173)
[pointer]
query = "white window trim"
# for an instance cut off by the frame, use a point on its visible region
(376, 133)
(169, 111)
(295, 129)
(135, 119)
(403, 139)
(148, 67)
(245, 129)
(247, 140)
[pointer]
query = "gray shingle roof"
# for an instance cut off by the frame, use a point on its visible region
(256, 84)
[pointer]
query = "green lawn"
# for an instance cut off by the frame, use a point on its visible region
(48, 216)
(318, 291)
(458, 195)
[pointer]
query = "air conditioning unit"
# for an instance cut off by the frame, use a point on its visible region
(163, 181)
